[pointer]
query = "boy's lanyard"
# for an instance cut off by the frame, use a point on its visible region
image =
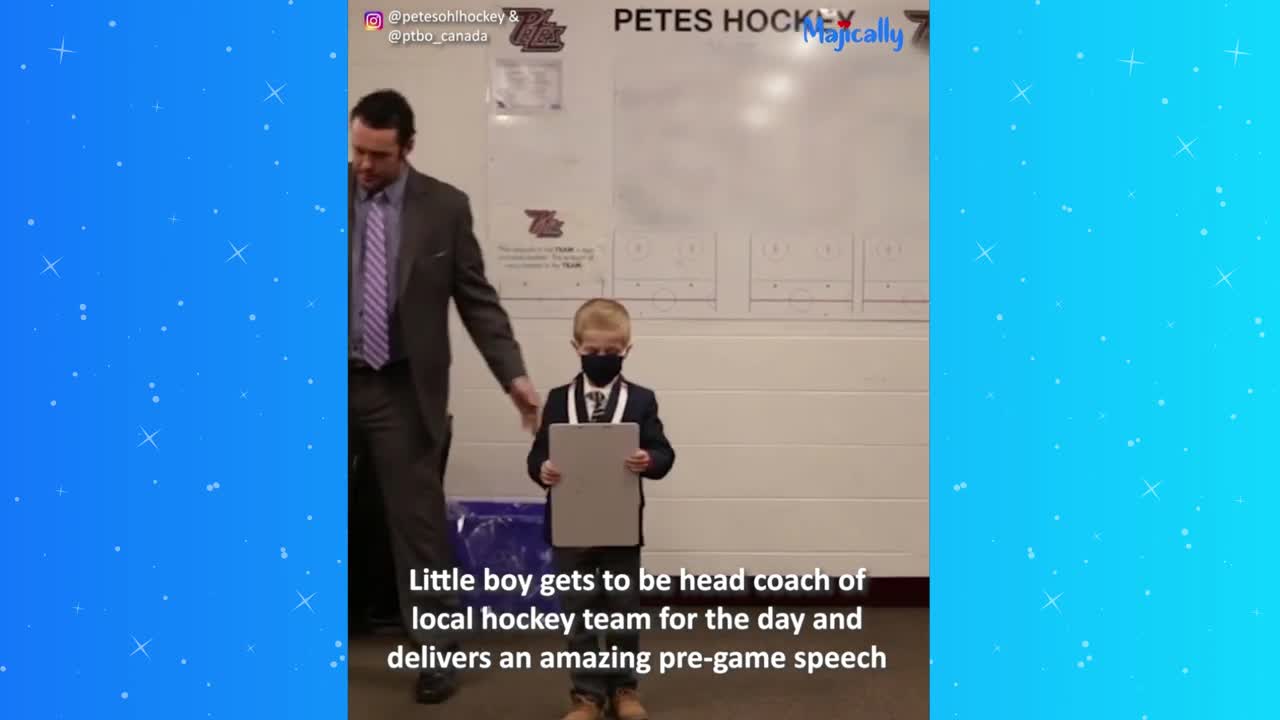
(617, 412)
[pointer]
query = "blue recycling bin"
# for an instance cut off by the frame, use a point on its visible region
(504, 538)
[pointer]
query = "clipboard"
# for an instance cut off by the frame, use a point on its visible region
(597, 501)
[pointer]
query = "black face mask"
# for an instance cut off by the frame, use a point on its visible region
(601, 369)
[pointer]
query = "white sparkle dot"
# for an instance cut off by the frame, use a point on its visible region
(1080, 663)
(266, 126)
(111, 23)
(1160, 403)
(1079, 56)
(164, 597)
(1024, 162)
(117, 548)
(1204, 231)
(1164, 101)
(215, 211)
(1248, 122)
(216, 485)
(333, 663)
(155, 398)
(23, 66)
(1147, 593)
(308, 517)
(337, 643)
(342, 658)
(53, 403)
(277, 163)
(1218, 189)
(183, 661)
(1103, 338)
(1057, 517)
(1257, 321)
(284, 556)
(1084, 644)
(961, 211)
(252, 317)
(17, 499)
(1188, 546)
(164, 328)
(208, 488)
(151, 386)
(1186, 670)
(999, 316)
(1222, 203)
(1088, 658)
(1185, 532)
(1130, 443)
(275, 279)
(84, 317)
(309, 447)
(119, 163)
(311, 381)
(181, 303)
(333, 56)
(976, 48)
(1013, 126)
(228, 48)
(124, 696)
(1249, 391)
(31, 222)
(1195, 69)
(1219, 107)
(75, 373)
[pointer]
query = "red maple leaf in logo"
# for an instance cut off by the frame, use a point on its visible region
(545, 224)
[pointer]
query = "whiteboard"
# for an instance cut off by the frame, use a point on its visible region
(720, 174)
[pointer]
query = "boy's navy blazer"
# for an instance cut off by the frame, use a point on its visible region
(642, 409)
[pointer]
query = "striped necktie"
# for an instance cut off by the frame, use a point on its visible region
(597, 401)
(376, 326)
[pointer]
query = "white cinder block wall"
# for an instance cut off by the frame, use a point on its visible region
(801, 444)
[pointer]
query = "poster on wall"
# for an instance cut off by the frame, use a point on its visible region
(520, 87)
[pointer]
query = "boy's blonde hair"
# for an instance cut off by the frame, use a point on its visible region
(602, 314)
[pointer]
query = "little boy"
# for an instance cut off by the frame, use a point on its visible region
(602, 339)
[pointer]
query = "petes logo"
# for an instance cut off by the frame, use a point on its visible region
(545, 224)
(536, 31)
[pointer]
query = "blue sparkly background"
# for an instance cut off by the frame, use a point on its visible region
(172, 522)
(174, 450)
(1103, 384)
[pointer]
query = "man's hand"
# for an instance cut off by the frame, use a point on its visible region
(549, 475)
(528, 404)
(639, 461)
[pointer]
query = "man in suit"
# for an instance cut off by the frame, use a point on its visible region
(412, 250)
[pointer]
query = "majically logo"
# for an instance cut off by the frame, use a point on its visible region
(882, 34)
(545, 224)
(373, 20)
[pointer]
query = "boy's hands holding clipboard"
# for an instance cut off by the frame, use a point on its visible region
(637, 462)
(549, 475)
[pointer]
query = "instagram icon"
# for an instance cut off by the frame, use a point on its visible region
(373, 20)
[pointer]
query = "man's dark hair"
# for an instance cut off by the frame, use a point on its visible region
(386, 110)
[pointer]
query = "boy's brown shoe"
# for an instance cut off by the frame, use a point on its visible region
(584, 708)
(626, 705)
